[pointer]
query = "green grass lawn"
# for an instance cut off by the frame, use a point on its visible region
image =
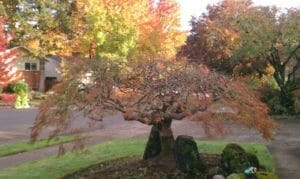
(36, 102)
(25, 146)
(260, 150)
(56, 167)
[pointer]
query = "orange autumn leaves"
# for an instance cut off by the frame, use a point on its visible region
(129, 29)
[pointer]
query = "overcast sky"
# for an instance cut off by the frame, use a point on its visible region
(197, 7)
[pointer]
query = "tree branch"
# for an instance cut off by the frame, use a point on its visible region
(177, 116)
(291, 55)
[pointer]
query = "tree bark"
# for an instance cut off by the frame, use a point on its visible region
(153, 147)
(161, 140)
(166, 137)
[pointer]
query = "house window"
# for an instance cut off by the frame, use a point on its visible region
(30, 66)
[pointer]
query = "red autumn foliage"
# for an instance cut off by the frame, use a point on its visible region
(8, 72)
(154, 93)
(8, 99)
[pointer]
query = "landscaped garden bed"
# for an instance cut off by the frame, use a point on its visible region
(123, 156)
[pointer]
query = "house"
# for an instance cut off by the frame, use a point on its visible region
(52, 71)
(30, 70)
(30, 67)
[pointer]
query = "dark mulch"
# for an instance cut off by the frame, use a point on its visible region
(135, 167)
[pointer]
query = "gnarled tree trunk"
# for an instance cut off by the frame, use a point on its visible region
(161, 140)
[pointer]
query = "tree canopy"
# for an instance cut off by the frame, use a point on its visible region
(239, 38)
(128, 29)
(155, 93)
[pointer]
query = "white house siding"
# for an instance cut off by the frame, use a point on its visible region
(52, 68)
(20, 63)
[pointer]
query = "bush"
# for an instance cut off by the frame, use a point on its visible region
(8, 99)
(270, 92)
(275, 104)
(21, 89)
(8, 89)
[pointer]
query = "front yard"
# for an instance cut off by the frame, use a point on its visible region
(57, 167)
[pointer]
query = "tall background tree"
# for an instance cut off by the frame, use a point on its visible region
(273, 38)
(39, 25)
(128, 29)
(117, 29)
(241, 39)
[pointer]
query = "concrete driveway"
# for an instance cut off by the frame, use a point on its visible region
(15, 125)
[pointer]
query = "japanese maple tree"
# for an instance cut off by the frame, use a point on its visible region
(154, 93)
(153, 89)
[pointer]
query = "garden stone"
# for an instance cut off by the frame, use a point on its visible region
(234, 159)
(253, 160)
(187, 157)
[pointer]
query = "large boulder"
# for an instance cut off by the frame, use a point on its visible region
(253, 160)
(187, 157)
(234, 159)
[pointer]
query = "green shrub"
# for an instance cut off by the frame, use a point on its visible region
(275, 105)
(21, 89)
(8, 89)
(272, 97)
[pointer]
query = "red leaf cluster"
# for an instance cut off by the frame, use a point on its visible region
(8, 99)
(8, 71)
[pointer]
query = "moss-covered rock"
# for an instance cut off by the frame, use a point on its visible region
(234, 159)
(253, 160)
(187, 156)
(266, 175)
